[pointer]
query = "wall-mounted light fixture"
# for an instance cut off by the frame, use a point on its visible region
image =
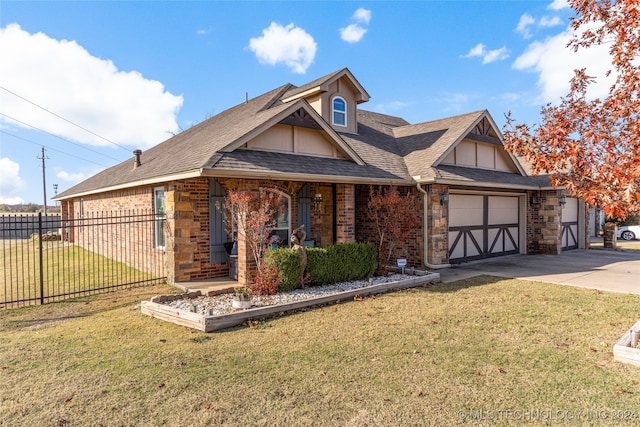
(534, 199)
(562, 200)
(317, 202)
(444, 198)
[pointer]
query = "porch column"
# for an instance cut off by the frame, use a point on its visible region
(346, 213)
(179, 247)
(544, 225)
(437, 226)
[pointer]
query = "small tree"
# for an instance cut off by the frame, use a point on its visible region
(253, 215)
(592, 147)
(394, 217)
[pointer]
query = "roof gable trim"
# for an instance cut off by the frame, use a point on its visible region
(334, 136)
(361, 96)
(467, 132)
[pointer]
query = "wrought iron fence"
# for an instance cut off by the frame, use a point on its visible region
(51, 258)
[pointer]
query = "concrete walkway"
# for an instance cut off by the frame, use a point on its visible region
(593, 269)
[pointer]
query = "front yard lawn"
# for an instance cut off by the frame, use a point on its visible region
(481, 350)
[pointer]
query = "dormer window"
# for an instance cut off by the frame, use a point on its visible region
(339, 111)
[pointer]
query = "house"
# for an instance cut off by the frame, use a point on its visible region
(318, 149)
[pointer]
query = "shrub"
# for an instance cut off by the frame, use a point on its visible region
(288, 263)
(266, 280)
(340, 263)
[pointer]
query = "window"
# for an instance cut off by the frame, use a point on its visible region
(158, 210)
(282, 224)
(339, 111)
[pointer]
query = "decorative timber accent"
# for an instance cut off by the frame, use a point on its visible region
(483, 128)
(302, 119)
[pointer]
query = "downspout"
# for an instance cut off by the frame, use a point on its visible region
(425, 223)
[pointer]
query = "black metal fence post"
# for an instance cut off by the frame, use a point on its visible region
(40, 256)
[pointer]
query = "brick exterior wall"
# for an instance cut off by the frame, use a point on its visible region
(346, 213)
(187, 224)
(365, 230)
(105, 218)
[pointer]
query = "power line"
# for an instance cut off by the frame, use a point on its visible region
(52, 149)
(59, 137)
(62, 118)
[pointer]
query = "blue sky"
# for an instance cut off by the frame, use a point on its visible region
(91, 81)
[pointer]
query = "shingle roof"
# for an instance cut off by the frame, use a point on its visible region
(391, 148)
(462, 174)
(274, 164)
(423, 144)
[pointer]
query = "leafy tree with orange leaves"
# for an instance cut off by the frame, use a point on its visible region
(591, 147)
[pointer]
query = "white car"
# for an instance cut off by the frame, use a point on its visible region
(628, 232)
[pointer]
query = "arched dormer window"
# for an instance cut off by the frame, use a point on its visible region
(339, 111)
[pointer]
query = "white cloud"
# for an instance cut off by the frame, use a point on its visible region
(391, 106)
(72, 177)
(61, 76)
(290, 45)
(362, 15)
(203, 32)
(495, 55)
(558, 5)
(554, 63)
(352, 33)
(524, 25)
(488, 56)
(550, 21)
(11, 183)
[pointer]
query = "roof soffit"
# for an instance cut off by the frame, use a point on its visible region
(286, 112)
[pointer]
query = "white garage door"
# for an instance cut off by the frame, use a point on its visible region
(483, 226)
(570, 224)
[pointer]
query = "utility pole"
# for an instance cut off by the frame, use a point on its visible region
(44, 182)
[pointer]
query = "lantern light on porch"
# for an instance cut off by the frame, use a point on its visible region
(562, 200)
(444, 198)
(317, 202)
(534, 200)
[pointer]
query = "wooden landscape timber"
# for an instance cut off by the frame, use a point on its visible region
(208, 323)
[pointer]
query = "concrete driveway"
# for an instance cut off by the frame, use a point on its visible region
(593, 269)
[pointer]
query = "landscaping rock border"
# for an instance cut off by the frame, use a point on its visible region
(209, 323)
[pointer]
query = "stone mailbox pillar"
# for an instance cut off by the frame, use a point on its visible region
(610, 238)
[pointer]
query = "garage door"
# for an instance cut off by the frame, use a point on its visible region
(570, 224)
(482, 227)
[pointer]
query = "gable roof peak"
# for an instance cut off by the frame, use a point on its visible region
(321, 84)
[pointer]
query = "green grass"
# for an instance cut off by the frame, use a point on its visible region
(414, 357)
(68, 269)
(621, 245)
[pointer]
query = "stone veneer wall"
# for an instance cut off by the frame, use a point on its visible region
(365, 230)
(187, 208)
(437, 225)
(321, 215)
(544, 223)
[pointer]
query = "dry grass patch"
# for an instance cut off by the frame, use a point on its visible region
(415, 357)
